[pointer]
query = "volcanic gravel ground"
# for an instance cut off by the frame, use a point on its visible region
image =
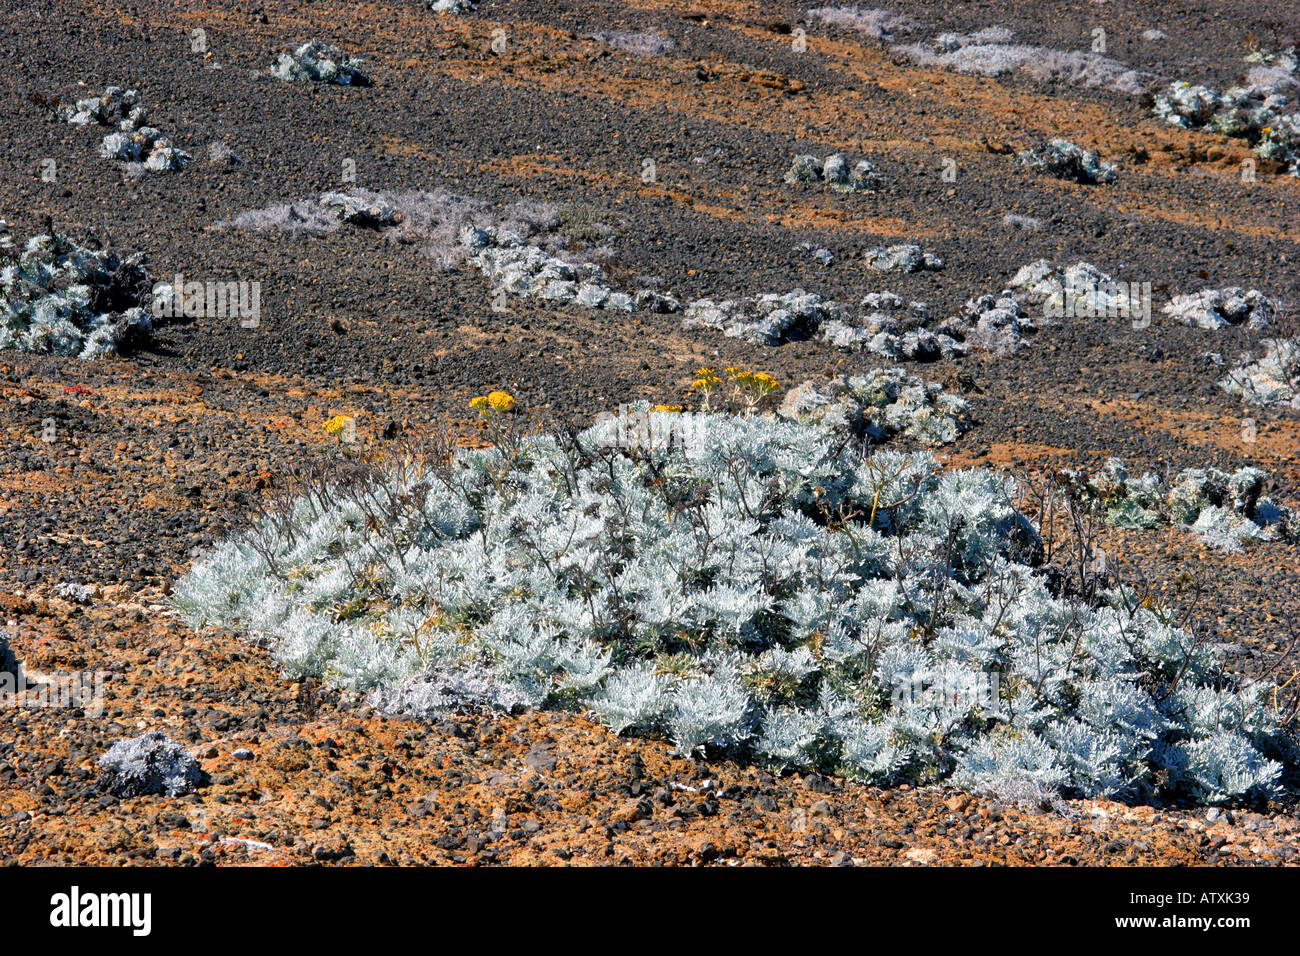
(157, 455)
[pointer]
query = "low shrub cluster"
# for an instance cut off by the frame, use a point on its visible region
(524, 269)
(61, 297)
(647, 43)
(883, 323)
(1064, 160)
(880, 405)
(907, 257)
(880, 24)
(739, 584)
(1217, 308)
(1253, 113)
(819, 254)
(134, 142)
(1078, 290)
(835, 173)
(152, 763)
(1271, 379)
(319, 62)
(1225, 510)
(990, 52)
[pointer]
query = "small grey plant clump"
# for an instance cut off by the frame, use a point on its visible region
(1225, 510)
(884, 323)
(649, 43)
(820, 255)
(1023, 223)
(890, 326)
(949, 42)
(60, 297)
(438, 219)
(880, 24)
(1064, 160)
(76, 593)
(743, 585)
(362, 208)
(135, 143)
(770, 319)
(1080, 290)
(835, 173)
(452, 6)
(993, 324)
(1274, 69)
(152, 763)
(901, 258)
(308, 217)
(880, 405)
(219, 154)
(443, 689)
(1218, 308)
(1272, 379)
(996, 324)
(319, 62)
(990, 52)
(1254, 113)
(527, 270)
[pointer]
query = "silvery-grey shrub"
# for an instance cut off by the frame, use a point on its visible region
(907, 257)
(133, 142)
(879, 405)
(990, 52)
(880, 24)
(883, 322)
(1225, 509)
(835, 173)
(61, 297)
(318, 62)
(152, 763)
(647, 43)
(1257, 114)
(1079, 290)
(1064, 160)
(741, 584)
(1271, 379)
(1217, 308)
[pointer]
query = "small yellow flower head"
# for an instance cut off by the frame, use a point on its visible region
(667, 408)
(337, 425)
(706, 379)
(496, 401)
(759, 382)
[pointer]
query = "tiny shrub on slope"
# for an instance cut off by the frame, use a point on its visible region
(745, 584)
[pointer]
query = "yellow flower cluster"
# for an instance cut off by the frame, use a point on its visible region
(748, 388)
(759, 382)
(706, 380)
(667, 408)
(496, 401)
(338, 425)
